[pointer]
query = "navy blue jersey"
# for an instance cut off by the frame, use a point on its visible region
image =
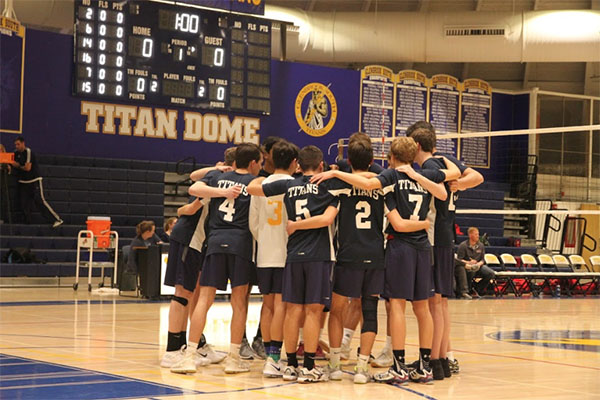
(344, 166)
(410, 199)
(359, 225)
(302, 200)
(189, 225)
(228, 230)
(441, 230)
(453, 196)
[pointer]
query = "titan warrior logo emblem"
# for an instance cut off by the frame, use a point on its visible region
(316, 109)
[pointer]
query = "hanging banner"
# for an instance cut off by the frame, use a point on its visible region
(377, 106)
(12, 64)
(444, 97)
(475, 116)
(411, 100)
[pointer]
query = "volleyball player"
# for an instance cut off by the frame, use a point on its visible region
(228, 254)
(183, 267)
(441, 236)
(306, 277)
(408, 254)
(268, 219)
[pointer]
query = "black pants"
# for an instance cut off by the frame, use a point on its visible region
(31, 196)
(464, 279)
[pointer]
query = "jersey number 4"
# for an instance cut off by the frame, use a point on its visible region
(228, 207)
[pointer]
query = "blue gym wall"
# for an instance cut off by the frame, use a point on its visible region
(53, 122)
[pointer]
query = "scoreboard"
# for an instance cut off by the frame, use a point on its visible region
(166, 54)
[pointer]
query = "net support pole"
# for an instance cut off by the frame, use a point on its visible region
(340, 149)
(590, 152)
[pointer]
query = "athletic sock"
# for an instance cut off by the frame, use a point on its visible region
(425, 356)
(334, 355)
(267, 347)
(202, 341)
(363, 362)
(183, 338)
(234, 350)
(398, 359)
(309, 360)
(450, 355)
(173, 341)
(292, 360)
(348, 334)
(276, 350)
(193, 346)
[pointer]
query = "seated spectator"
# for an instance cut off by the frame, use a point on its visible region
(146, 237)
(469, 265)
(167, 228)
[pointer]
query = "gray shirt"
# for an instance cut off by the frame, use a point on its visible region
(467, 252)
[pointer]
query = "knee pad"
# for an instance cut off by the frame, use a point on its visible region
(181, 300)
(369, 312)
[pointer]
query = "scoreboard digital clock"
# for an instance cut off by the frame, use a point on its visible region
(166, 54)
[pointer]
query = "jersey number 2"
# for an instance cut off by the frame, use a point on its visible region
(228, 207)
(364, 211)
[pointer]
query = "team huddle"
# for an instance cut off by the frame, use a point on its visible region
(313, 241)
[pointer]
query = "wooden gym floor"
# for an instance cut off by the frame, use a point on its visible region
(58, 344)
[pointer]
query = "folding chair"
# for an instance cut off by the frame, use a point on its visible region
(516, 281)
(530, 265)
(546, 263)
(595, 262)
(492, 261)
(564, 266)
(579, 266)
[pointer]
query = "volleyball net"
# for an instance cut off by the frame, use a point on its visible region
(528, 197)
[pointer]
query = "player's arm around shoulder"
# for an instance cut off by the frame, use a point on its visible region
(353, 179)
(437, 190)
(201, 189)
(405, 225)
(255, 187)
(190, 208)
(314, 222)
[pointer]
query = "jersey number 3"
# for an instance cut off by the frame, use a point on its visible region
(277, 211)
(228, 207)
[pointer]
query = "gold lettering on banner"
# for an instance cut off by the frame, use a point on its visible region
(145, 123)
(109, 119)
(210, 128)
(125, 114)
(166, 121)
(193, 126)
(161, 123)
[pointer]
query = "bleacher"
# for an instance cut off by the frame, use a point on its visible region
(487, 196)
(128, 191)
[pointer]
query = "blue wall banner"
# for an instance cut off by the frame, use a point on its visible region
(475, 116)
(444, 97)
(377, 106)
(12, 64)
(411, 100)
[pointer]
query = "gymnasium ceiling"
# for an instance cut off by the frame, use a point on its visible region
(569, 77)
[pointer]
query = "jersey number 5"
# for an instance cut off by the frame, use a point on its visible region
(228, 207)
(301, 209)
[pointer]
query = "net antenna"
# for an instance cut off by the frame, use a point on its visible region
(9, 11)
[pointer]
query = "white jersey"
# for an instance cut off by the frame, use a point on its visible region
(268, 220)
